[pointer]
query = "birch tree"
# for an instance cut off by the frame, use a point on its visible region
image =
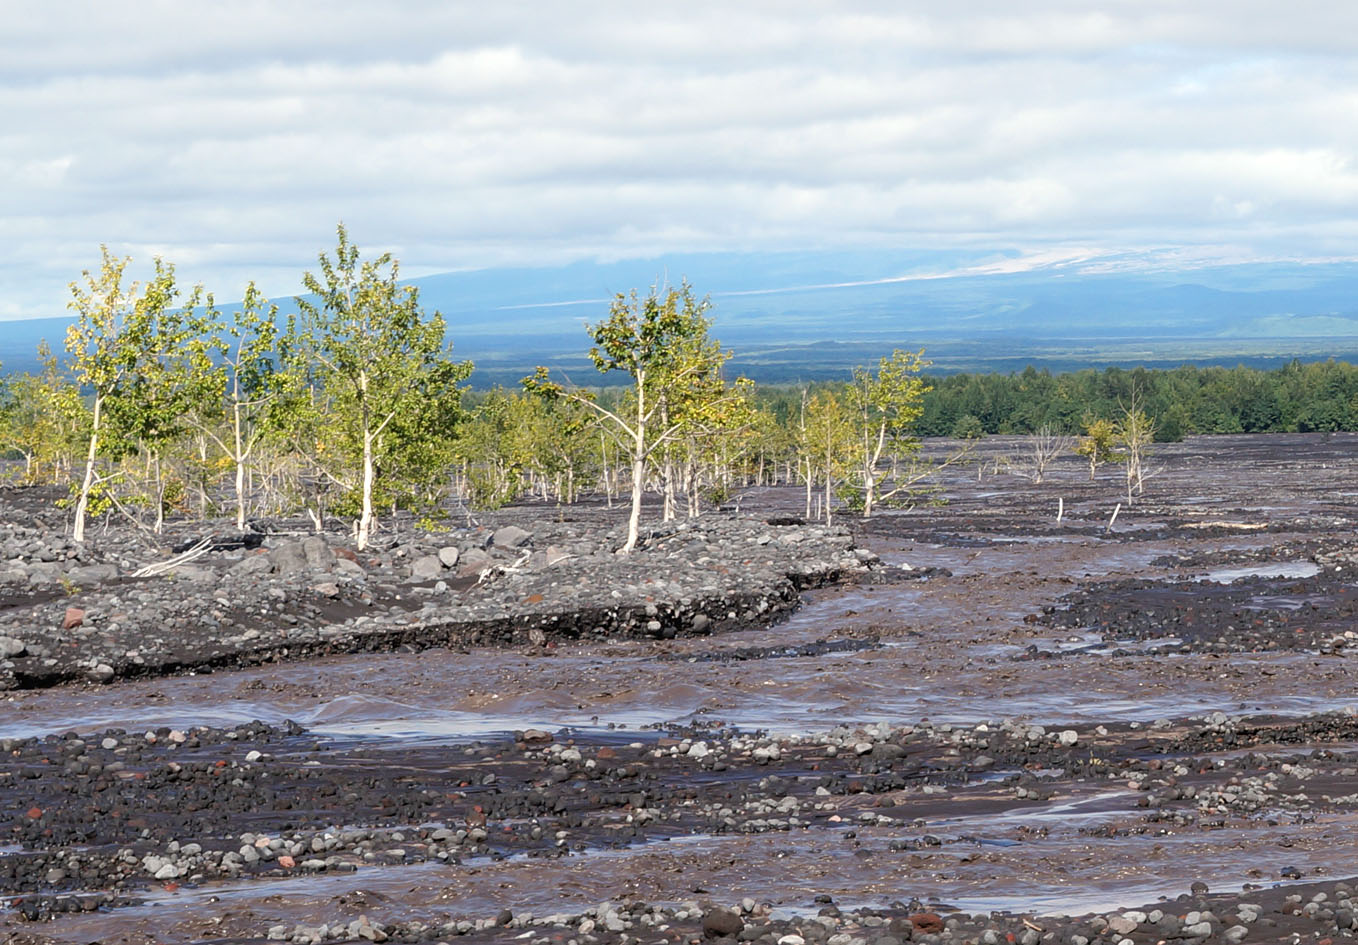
(44, 421)
(661, 342)
(827, 443)
(168, 338)
(375, 353)
(884, 405)
(1098, 444)
(1134, 434)
(112, 344)
(245, 380)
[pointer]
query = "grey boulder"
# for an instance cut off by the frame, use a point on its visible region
(510, 536)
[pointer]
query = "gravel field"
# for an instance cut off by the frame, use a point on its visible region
(970, 722)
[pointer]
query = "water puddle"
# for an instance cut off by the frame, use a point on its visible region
(1281, 569)
(454, 729)
(1054, 901)
(369, 877)
(366, 717)
(426, 696)
(1039, 875)
(1274, 602)
(141, 718)
(1034, 539)
(1071, 812)
(1084, 643)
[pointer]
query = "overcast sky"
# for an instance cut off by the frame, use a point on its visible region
(231, 137)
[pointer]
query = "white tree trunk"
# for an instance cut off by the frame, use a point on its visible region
(365, 520)
(239, 456)
(638, 465)
(671, 500)
(669, 508)
(694, 491)
(870, 459)
(869, 487)
(638, 482)
(160, 493)
(82, 504)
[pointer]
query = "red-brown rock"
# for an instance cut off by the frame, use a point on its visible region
(928, 922)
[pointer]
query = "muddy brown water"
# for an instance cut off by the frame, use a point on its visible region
(942, 649)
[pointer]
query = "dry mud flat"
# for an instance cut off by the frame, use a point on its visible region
(1059, 734)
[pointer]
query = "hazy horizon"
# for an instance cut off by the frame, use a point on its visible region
(778, 311)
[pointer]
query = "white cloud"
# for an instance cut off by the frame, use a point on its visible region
(232, 137)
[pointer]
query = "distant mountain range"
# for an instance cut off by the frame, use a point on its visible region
(792, 316)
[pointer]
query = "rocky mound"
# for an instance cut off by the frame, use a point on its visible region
(99, 612)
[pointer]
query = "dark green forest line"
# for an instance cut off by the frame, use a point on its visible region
(1296, 398)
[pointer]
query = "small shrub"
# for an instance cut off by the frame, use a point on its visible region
(968, 427)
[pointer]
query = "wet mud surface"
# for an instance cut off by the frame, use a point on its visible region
(1060, 732)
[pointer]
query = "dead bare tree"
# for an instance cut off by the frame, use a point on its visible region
(998, 463)
(1043, 448)
(1134, 435)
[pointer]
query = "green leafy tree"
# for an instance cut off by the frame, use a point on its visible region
(482, 447)
(101, 306)
(241, 386)
(770, 442)
(713, 446)
(43, 421)
(419, 447)
(118, 346)
(661, 342)
(708, 413)
(553, 444)
(303, 426)
(516, 443)
(172, 342)
(1099, 443)
(885, 406)
(827, 444)
(968, 427)
(384, 367)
